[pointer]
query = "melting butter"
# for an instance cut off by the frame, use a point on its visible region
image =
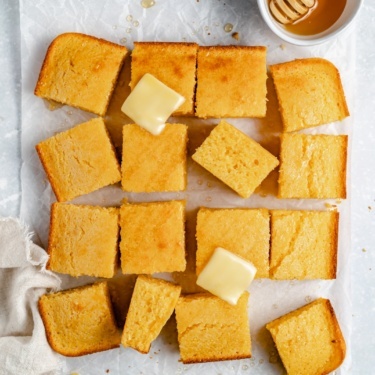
(151, 103)
(226, 275)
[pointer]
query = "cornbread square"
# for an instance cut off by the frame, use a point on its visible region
(79, 160)
(152, 304)
(235, 159)
(242, 231)
(80, 321)
(210, 329)
(153, 237)
(313, 166)
(79, 236)
(309, 92)
(174, 64)
(231, 82)
(81, 71)
(309, 339)
(303, 244)
(154, 163)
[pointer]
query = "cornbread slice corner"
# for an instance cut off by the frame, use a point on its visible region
(245, 232)
(79, 160)
(154, 163)
(309, 92)
(231, 81)
(79, 236)
(309, 339)
(79, 321)
(235, 159)
(152, 237)
(152, 304)
(81, 71)
(313, 166)
(210, 329)
(303, 244)
(174, 64)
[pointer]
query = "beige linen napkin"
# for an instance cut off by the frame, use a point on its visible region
(23, 279)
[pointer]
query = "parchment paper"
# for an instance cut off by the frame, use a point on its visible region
(201, 22)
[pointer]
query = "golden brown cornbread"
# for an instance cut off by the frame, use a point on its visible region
(235, 159)
(231, 81)
(79, 160)
(154, 163)
(81, 71)
(313, 166)
(153, 237)
(210, 329)
(303, 244)
(309, 339)
(310, 93)
(79, 321)
(152, 304)
(174, 64)
(244, 232)
(83, 240)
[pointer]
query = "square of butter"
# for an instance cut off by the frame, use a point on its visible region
(235, 159)
(226, 275)
(152, 237)
(151, 103)
(153, 163)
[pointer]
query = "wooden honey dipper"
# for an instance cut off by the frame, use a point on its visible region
(290, 11)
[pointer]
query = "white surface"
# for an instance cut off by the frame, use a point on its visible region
(363, 165)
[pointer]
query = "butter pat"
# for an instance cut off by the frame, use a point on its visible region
(151, 103)
(226, 275)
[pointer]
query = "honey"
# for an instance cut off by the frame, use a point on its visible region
(321, 17)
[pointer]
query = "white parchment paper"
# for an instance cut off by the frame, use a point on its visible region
(202, 22)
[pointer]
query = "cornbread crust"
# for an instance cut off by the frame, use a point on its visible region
(303, 244)
(309, 339)
(244, 232)
(231, 82)
(313, 166)
(152, 304)
(174, 64)
(153, 237)
(235, 159)
(154, 163)
(310, 93)
(79, 236)
(81, 71)
(210, 329)
(79, 160)
(79, 321)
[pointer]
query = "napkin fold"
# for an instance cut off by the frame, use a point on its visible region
(23, 279)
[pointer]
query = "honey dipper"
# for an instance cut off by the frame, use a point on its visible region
(290, 11)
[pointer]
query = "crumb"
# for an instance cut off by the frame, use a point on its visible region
(282, 46)
(208, 33)
(369, 208)
(107, 371)
(236, 36)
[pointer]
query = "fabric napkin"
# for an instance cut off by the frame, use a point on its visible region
(23, 279)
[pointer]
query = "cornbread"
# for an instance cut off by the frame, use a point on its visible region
(231, 82)
(174, 64)
(152, 304)
(313, 166)
(309, 92)
(309, 339)
(235, 159)
(79, 321)
(154, 163)
(79, 160)
(209, 329)
(152, 237)
(303, 244)
(81, 71)
(242, 231)
(79, 237)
